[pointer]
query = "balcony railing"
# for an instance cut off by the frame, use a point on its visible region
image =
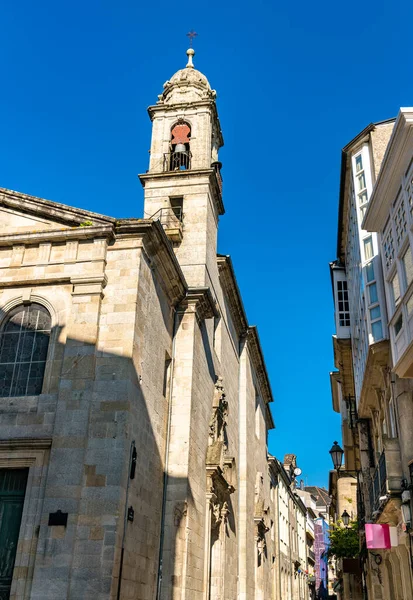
(378, 486)
(217, 166)
(177, 161)
(171, 221)
(387, 477)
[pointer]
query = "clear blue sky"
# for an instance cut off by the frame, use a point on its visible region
(295, 81)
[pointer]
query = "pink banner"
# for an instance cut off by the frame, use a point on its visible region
(377, 536)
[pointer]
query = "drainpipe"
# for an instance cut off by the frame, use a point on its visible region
(125, 521)
(166, 461)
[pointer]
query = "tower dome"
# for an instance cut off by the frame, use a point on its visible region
(186, 85)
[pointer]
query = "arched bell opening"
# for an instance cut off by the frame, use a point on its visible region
(180, 154)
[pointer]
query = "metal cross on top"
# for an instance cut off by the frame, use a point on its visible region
(192, 34)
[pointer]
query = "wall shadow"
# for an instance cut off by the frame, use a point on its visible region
(105, 468)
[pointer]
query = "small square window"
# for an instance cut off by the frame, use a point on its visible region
(363, 198)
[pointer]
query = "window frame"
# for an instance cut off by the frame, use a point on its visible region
(7, 310)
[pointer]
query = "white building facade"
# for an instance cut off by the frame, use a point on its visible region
(372, 348)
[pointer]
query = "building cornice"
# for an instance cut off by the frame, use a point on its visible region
(232, 294)
(257, 357)
(155, 243)
(200, 300)
(49, 210)
(189, 174)
(57, 235)
(396, 159)
(160, 253)
(25, 443)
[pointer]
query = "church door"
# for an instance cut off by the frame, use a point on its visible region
(12, 490)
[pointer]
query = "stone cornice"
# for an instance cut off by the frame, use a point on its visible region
(35, 281)
(190, 173)
(22, 443)
(395, 162)
(48, 210)
(201, 301)
(232, 294)
(57, 235)
(257, 357)
(160, 254)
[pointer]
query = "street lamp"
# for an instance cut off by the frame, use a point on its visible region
(346, 518)
(336, 455)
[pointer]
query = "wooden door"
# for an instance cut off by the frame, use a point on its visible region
(12, 490)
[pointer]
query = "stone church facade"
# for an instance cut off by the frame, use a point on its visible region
(134, 394)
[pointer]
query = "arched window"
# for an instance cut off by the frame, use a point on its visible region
(180, 158)
(24, 340)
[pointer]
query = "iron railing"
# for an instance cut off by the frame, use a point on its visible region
(378, 486)
(177, 161)
(361, 512)
(217, 167)
(170, 218)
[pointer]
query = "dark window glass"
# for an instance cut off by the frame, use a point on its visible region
(24, 341)
(398, 325)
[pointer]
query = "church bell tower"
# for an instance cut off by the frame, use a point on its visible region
(183, 186)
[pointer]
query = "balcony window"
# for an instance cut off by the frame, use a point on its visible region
(361, 181)
(398, 325)
(407, 267)
(377, 330)
(373, 293)
(409, 191)
(395, 291)
(368, 247)
(400, 223)
(388, 248)
(409, 305)
(359, 163)
(375, 313)
(343, 304)
(370, 272)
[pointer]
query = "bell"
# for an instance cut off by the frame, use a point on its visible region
(180, 148)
